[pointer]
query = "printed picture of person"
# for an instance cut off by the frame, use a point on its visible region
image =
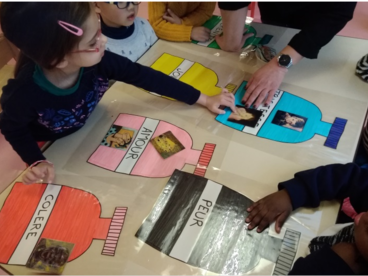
(167, 144)
(289, 120)
(118, 137)
(245, 116)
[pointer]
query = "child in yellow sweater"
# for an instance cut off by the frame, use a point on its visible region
(180, 21)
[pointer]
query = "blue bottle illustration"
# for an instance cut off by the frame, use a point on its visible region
(288, 119)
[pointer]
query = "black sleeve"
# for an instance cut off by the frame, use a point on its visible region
(322, 22)
(322, 262)
(336, 181)
(232, 6)
(14, 125)
(122, 69)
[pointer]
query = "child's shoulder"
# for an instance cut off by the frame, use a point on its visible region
(21, 86)
(144, 28)
(142, 23)
(141, 20)
(24, 78)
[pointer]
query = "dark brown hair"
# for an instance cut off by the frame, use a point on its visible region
(34, 29)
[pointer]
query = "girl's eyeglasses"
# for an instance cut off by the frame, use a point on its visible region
(98, 41)
(124, 5)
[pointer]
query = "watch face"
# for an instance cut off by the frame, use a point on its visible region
(284, 60)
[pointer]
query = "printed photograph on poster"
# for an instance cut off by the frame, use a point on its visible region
(246, 116)
(50, 256)
(167, 144)
(119, 137)
(289, 120)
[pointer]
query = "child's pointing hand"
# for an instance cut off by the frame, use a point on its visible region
(213, 103)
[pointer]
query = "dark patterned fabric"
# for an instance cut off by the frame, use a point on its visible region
(344, 235)
(362, 68)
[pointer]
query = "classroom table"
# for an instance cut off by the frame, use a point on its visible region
(246, 163)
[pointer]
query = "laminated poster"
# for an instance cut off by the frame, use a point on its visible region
(202, 223)
(126, 148)
(41, 212)
(288, 119)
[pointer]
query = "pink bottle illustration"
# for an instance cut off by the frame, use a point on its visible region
(126, 148)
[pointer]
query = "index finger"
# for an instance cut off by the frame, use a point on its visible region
(229, 94)
(230, 102)
(50, 175)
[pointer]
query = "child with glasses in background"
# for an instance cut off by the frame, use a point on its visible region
(181, 21)
(127, 35)
(60, 78)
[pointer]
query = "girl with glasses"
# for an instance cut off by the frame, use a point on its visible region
(62, 74)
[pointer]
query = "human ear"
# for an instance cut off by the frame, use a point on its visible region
(62, 64)
(97, 8)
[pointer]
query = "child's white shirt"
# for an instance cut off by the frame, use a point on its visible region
(134, 46)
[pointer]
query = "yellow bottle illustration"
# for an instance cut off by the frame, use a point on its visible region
(189, 72)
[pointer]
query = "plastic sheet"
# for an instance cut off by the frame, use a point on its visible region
(201, 223)
(247, 164)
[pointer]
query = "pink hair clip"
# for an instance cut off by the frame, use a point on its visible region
(69, 27)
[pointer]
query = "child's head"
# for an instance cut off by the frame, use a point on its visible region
(53, 34)
(295, 121)
(117, 14)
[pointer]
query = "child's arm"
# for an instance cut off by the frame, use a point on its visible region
(169, 31)
(164, 29)
(23, 143)
(308, 189)
(122, 69)
(200, 15)
(14, 122)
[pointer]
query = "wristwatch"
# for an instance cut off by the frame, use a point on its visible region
(284, 61)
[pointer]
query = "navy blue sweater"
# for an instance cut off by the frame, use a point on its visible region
(308, 189)
(32, 113)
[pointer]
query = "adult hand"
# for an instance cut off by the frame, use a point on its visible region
(43, 172)
(201, 34)
(171, 17)
(262, 213)
(263, 84)
(213, 103)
